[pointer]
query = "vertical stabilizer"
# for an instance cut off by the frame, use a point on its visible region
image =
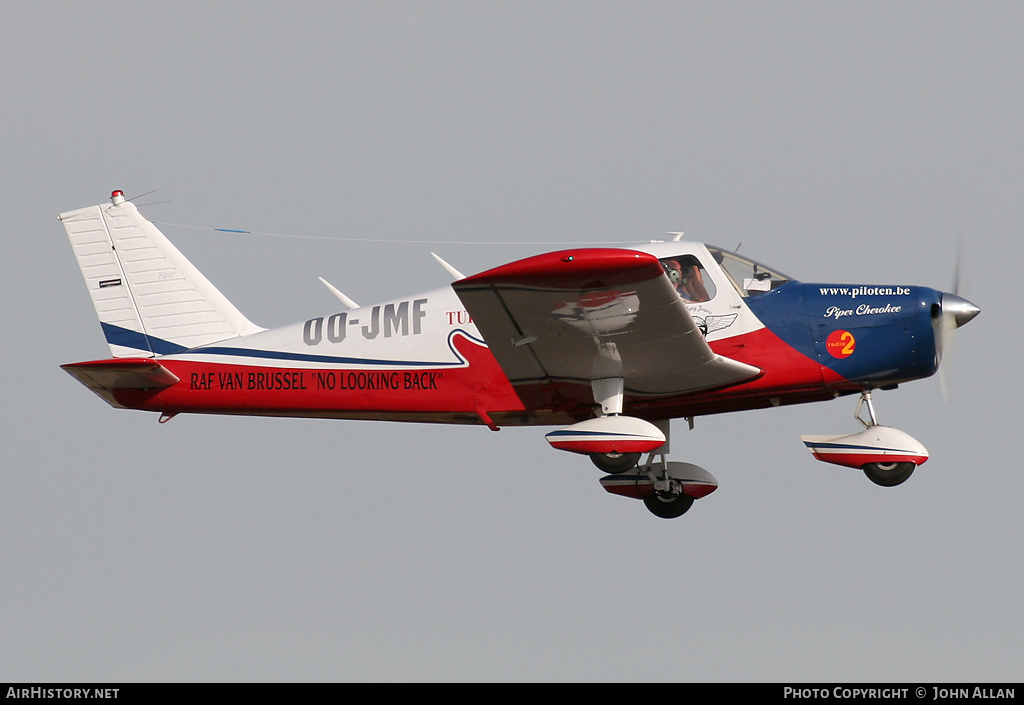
(149, 298)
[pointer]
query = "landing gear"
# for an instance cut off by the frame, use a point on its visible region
(668, 508)
(614, 463)
(888, 474)
(667, 489)
(887, 455)
(674, 486)
(883, 474)
(671, 488)
(865, 401)
(615, 442)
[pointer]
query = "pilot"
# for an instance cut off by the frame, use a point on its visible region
(688, 277)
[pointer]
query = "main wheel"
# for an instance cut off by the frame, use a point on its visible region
(614, 463)
(668, 508)
(888, 474)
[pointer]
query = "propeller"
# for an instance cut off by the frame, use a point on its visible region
(954, 311)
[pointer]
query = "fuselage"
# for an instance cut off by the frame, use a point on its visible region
(421, 358)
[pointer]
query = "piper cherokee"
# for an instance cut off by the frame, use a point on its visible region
(608, 344)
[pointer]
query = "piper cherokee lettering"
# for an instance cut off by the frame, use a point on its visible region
(605, 344)
(862, 310)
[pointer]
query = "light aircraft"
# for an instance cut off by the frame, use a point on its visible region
(608, 344)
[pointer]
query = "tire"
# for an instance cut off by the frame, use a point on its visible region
(668, 508)
(888, 474)
(615, 463)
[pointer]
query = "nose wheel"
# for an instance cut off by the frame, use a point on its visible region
(881, 473)
(886, 455)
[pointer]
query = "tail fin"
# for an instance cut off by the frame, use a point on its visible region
(149, 298)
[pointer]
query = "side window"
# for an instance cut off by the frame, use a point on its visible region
(689, 278)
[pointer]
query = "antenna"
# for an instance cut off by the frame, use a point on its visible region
(340, 296)
(456, 274)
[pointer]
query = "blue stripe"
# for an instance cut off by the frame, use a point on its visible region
(123, 337)
(299, 357)
(845, 446)
(612, 434)
(116, 335)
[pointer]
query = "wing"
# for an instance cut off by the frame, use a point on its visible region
(561, 319)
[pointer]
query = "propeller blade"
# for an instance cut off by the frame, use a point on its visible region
(954, 311)
(947, 324)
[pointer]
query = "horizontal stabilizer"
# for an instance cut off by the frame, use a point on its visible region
(105, 377)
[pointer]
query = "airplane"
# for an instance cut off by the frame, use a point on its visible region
(608, 344)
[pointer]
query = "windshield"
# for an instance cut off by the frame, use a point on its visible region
(749, 277)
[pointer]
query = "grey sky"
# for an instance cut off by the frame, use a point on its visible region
(848, 142)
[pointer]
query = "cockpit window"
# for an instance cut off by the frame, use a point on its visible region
(689, 278)
(749, 277)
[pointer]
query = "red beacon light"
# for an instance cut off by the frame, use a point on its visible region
(117, 197)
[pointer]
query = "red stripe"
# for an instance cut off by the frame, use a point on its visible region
(856, 460)
(593, 445)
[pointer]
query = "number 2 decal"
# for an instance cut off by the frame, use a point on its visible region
(840, 343)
